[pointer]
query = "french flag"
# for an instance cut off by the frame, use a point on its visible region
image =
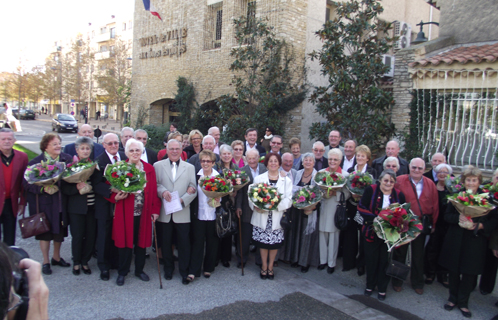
(150, 7)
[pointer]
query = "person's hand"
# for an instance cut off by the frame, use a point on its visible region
(495, 253)
(51, 189)
(356, 197)
(38, 290)
(22, 207)
(81, 185)
(167, 195)
(433, 230)
(331, 193)
(283, 174)
(217, 199)
(238, 212)
(121, 195)
(190, 190)
(154, 217)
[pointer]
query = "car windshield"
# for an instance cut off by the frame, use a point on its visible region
(66, 117)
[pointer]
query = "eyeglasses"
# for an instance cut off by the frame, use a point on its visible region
(238, 149)
(417, 168)
(16, 304)
(391, 166)
(206, 161)
(135, 151)
(277, 143)
(442, 172)
(318, 150)
(388, 181)
(112, 143)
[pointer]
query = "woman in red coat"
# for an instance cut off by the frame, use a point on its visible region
(132, 228)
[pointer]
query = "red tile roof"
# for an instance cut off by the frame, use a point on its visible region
(477, 54)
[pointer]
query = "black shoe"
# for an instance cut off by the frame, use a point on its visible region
(185, 281)
(104, 275)
(305, 269)
(466, 314)
(252, 248)
(322, 266)
(168, 275)
(154, 249)
(368, 293)
(76, 272)
(46, 269)
(147, 255)
(239, 265)
(381, 297)
(226, 264)
(484, 293)
(361, 271)
(330, 270)
(263, 274)
(120, 280)
(449, 307)
(429, 280)
(207, 275)
(271, 275)
(86, 270)
(61, 263)
(143, 276)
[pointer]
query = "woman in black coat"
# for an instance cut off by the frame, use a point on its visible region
(464, 247)
(51, 201)
(350, 234)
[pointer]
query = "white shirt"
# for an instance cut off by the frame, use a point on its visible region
(144, 157)
(112, 157)
(249, 148)
(255, 173)
(386, 202)
(347, 163)
(206, 213)
(418, 186)
(362, 170)
(216, 149)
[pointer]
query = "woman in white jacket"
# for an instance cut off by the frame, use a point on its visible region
(267, 233)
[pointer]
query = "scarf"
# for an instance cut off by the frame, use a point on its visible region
(268, 137)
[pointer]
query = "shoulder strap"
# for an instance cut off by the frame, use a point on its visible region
(416, 196)
(37, 207)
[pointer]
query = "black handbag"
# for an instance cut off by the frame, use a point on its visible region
(226, 224)
(286, 220)
(397, 269)
(341, 218)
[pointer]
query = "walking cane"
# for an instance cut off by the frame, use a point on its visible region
(240, 247)
(157, 254)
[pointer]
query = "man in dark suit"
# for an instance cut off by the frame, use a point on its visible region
(253, 169)
(208, 142)
(126, 134)
(276, 144)
(106, 251)
(148, 155)
(12, 199)
(251, 138)
(392, 150)
(85, 131)
(321, 161)
(349, 159)
(436, 160)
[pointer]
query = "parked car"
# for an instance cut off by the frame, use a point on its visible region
(25, 114)
(64, 122)
(15, 112)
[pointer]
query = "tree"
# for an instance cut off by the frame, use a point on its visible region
(75, 65)
(268, 80)
(185, 103)
(35, 86)
(353, 102)
(19, 84)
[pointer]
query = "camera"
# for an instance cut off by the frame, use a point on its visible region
(20, 282)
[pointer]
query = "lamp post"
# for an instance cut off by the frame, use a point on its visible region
(421, 36)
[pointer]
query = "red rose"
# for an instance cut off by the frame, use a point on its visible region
(114, 175)
(129, 174)
(223, 182)
(496, 195)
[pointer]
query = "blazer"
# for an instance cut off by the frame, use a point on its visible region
(429, 199)
(260, 149)
(102, 189)
(76, 202)
(429, 175)
(342, 162)
(284, 186)
(185, 177)
(378, 165)
(151, 156)
(241, 200)
(17, 196)
(97, 150)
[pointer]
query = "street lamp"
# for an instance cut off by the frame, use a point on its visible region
(421, 36)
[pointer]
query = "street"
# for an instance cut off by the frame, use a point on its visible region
(88, 297)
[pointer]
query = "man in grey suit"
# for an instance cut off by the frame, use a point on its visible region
(287, 163)
(172, 175)
(253, 169)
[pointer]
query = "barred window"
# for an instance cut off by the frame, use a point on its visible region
(213, 26)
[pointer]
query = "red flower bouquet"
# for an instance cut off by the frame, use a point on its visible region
(264, 196)
(238, 178)
(357, 182)
(215, 187)
(125, 176)
(471, 205)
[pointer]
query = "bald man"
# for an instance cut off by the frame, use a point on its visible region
(85, 131)
(392, 150)
(436, 160)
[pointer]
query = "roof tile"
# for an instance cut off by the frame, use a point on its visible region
(463, 55)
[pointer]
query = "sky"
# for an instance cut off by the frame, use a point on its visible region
(30, 27)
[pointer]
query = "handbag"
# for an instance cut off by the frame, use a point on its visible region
(34, 225)
(286, 220)
(225, 221)
(397, 269)
(341, 218)
(426, 219)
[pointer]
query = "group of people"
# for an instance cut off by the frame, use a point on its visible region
(116, 225)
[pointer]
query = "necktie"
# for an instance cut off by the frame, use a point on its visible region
(115, 159)
(173, 171)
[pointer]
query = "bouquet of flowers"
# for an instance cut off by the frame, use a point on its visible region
(492, 190)
(79, 171)
(471, 205)
(45, 173)
(328, 181)
(306, 198)
(215, 187)
(125, 177)
(397, 225)
(357, 182)
(453, 184)
(264, 196)
(238, 178)
(262, 159)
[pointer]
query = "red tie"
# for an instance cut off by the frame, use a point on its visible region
(115, 159)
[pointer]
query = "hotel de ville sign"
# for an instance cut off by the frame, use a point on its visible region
(168, 44)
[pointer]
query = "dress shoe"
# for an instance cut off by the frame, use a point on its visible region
(361, 271)
(153, 249)
(484, 293)
(305, 269)
(448, 306)
(397, 289)
(86, 270)
(76, 272)
(419, 291)
(239, 265)
(143, 276)
(226, 264)
(263, 274)
(185, 281)
(168, 275)
(322, 266)
(330, 270)
(368, 292)
(147, 255)
(61, 263)
(429, 280)
(381, 297)
(104, 275)
(271, 275)
(207, 275)
(120, 280)
(46, 269)
(252, 248)
(466, 314)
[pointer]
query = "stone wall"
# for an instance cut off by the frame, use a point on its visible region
(402, 86)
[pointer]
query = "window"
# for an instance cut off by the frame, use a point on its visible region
(113, 33)
(330, 13)
(103, 30)
(103, 48)
(213, 26)
(129, 25)
(124, 26)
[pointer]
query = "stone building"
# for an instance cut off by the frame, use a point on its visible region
(194, 39)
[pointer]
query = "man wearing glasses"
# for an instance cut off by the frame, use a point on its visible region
(321, 162)
(422, 194)
(436, 160)
(106, 251)
(276, 144)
